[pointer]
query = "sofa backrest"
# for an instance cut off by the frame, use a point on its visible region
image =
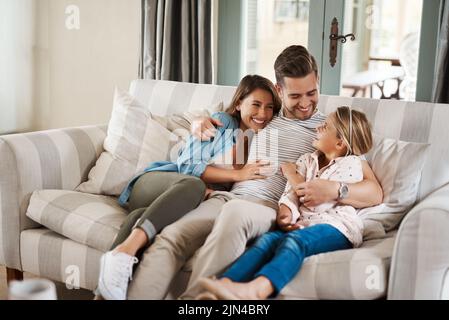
(168, 97)
(402, 120)
(407, 121)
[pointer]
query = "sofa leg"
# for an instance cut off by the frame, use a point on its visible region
(13, 274)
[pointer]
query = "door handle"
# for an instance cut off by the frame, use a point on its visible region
(334, 37)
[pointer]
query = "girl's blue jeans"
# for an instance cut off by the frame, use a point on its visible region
(278, 255)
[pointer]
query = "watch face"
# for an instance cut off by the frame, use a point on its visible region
(344, 191)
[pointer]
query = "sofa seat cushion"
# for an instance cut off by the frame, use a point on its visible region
(360, 273)
(49, 255)
(93, 220)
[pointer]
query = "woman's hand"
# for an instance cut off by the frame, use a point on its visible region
(251, 171)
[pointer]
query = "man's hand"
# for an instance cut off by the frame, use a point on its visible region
(204, 128)
(316, 192)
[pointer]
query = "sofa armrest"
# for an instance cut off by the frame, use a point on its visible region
(420, 261)
(53, 159)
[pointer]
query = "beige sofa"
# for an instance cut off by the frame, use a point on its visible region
(46, 167)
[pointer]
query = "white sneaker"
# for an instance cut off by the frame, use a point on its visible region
(116, 270)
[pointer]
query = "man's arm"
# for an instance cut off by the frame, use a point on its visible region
(366, 193)
(220, 175)
(204, 128)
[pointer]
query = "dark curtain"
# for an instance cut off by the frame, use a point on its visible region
(441, 82)
(176, 40)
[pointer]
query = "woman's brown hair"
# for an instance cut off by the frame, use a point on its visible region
(247, 85)
(354, 128)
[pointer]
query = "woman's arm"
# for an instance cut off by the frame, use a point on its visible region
(196, 155)
(218, 175)
(366, 193)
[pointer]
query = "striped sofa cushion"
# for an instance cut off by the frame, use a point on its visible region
(52, 159)
(50, 255)
(133, 140)
(164, 98)
(88, 219)
(360, 273)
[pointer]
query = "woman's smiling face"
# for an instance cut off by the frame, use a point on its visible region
(256, 110)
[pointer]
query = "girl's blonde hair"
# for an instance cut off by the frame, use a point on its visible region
(354, 128)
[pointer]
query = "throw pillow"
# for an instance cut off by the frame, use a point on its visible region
(134, 139)
(397, 166)
(180, 123)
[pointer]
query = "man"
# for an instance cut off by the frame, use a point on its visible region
(225, 233)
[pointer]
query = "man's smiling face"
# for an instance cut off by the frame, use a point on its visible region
(299, 96)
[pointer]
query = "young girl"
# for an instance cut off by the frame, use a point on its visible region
(276, 257)
(166, 191)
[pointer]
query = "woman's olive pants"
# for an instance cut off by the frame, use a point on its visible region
(159, 199)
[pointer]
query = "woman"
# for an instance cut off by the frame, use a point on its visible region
(167, 191)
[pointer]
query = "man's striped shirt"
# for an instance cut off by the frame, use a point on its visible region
(283, 140)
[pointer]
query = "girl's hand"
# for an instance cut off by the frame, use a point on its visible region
(284, 219)
(291, 227)
(251, 171)
(288, 168)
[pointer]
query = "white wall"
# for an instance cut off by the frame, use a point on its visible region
(69, 75)
(16, 64)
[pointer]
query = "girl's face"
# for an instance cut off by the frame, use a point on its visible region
(256, 110)
(327, 140)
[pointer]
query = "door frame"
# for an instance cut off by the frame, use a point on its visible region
(428, 48)
(331, 77)
(230, 51)
(230, 42)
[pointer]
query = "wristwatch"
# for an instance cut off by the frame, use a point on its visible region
(343, 191)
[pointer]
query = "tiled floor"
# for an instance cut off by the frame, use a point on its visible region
(62, 291)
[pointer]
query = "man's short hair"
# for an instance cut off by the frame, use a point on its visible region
(294, 62)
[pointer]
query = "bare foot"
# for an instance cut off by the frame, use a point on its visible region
(244, 291)
(257, 289)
